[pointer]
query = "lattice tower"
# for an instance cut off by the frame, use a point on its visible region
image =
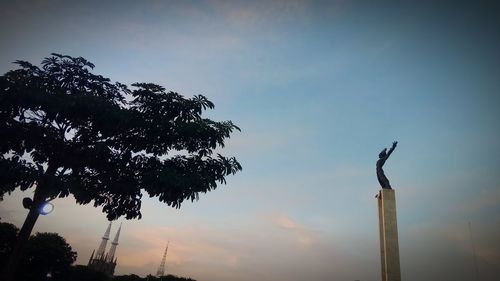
(161, 268)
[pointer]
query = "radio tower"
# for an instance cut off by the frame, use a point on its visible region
(161, 269)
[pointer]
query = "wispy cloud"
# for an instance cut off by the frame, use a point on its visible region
(188, 246)
(301, 235)
(488, 199)
(257, 13)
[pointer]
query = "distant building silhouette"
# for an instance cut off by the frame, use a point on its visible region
(161, 268)
(105, 262)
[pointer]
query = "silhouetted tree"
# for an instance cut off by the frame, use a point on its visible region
(8, 233)
(67, 131)
(130, 277)
(84, 273)
(133, 277)
(45, 254)
(174, 278)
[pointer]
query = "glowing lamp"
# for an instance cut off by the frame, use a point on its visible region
(46, 208)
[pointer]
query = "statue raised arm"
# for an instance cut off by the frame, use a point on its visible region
(382, 157)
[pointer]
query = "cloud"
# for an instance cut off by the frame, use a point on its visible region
(188, 246)
(257, 13)
(286, 222)
(301, 235)
(490, 198)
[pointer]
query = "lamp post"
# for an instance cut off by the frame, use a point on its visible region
(36, 206)
(45, 207)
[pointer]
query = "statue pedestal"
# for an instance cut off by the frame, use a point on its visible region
(389, 245)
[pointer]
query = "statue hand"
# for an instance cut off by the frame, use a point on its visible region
(394, 143)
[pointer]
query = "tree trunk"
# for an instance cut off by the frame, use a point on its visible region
(23, 236)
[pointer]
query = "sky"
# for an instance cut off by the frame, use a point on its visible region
(318, 88)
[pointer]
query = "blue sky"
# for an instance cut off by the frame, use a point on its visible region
(318, 88)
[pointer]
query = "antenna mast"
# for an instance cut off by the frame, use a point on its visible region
(473, 252)
(161, 269)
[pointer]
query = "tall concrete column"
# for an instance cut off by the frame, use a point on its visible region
(389, 245)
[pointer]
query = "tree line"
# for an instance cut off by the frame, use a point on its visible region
(48, 257)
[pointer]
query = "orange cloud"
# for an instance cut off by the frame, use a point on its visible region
(286, 222)
(301, 235)
(188, 245)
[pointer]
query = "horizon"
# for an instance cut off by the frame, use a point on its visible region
(318, 90)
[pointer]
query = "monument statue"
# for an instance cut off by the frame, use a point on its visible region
(382, 157)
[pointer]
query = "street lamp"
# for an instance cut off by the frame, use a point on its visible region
(45, 209)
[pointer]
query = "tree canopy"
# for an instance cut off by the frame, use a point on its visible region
(68, 131)
(85, 273)
(46, 253)
(8, 233)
